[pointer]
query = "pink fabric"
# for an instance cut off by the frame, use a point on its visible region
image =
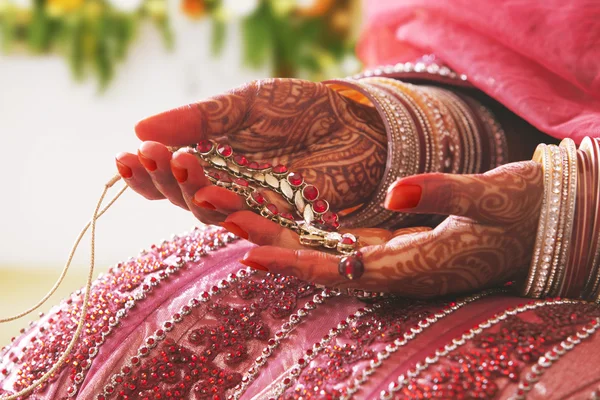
(541, 59)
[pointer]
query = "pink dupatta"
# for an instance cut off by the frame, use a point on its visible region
(541, 59)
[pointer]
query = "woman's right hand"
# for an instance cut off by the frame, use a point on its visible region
(337, 144)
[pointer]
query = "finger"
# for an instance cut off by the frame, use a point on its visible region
(156, 158)
(503, 195)
(190, 177)
(220, 199)
(411, 231)
(136, 176)
(195, 122)
(260, 230)
(310, 265)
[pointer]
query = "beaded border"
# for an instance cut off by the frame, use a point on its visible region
(274, 342)
(403, 379)
(139, 294)
(294, 372)
(550, 357)
(433, 69)
(152, 341)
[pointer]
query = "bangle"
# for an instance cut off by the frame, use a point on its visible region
(402, 153)
(418, 110)
(577, 267)
(450, 148)
(465, 130)
(569, 195)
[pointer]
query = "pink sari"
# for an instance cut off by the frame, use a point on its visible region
(184, 320)
(541, 59)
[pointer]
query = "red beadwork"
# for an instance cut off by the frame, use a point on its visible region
(310, 192)
(225, 150)
(204, 147)
(295, 179)
(264, 165)
(253, 165)
(280, 169)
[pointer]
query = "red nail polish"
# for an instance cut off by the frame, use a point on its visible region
(403, 197)
(148, 163)
(233, 228)
(204, 204)
(181, 174)
(253, 265)
(124, 170)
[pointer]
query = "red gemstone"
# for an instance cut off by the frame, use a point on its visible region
(347, 240)
(258, 197)
(320, 206)
(280, 169)
(287, 215)
(240, 160)
(214, 175)
(224, 178)
(253, 165)
(310, 193)
(241, 182)
(295, 179)
(351, 267)
(330, 217)
(225, 150)
(264, 165)
(272, 208)
(204, 147)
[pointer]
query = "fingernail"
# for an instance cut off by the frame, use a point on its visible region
(403, 197)
(254, 265)
(204, 204)
(148, 163)
(124, 170)
(180, 173)
(233, 228)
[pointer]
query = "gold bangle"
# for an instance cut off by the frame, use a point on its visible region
(402, 154)
(569, 195)
(463, 128)
(450, 148)
(544, 250)
(408, 96)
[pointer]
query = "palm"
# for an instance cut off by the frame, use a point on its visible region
(335, 143)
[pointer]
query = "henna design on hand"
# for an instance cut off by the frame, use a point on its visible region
(338, 144)
(488, 242)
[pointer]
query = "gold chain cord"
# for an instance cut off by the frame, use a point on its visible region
(91, 224)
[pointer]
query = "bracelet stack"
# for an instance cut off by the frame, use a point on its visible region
(566, 256)
(430, 129)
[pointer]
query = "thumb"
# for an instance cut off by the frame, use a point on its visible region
(208, 119)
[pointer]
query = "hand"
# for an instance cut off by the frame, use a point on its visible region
(488, 239)
(337, 144)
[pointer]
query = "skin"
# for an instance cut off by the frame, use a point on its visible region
(340, 146)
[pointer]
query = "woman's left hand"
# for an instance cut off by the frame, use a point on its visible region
(487, 240)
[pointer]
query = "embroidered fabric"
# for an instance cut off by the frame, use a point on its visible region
(185, 321)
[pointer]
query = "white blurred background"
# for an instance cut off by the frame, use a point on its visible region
(58, 142)
(59, 139)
